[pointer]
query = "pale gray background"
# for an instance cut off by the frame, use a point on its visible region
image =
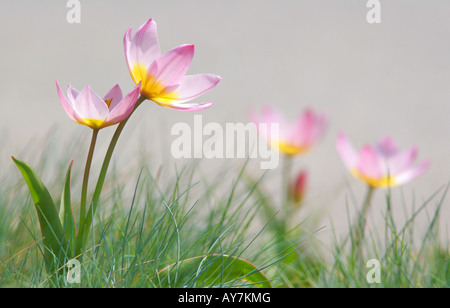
(373, 80)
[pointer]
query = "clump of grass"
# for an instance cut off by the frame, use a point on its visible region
(150, 219)
(406, 259)
(145, 224)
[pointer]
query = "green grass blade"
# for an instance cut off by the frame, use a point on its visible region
(49, 222)
(66, 213)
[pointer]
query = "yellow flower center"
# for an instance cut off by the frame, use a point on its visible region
(386, 181)
(93, 123)
(151, 87)
(289, 149)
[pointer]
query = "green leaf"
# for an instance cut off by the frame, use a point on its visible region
(214, 270)
(49, 222)
(66, 214)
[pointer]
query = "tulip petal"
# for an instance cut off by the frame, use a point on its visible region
(309, 127)
(170, 68)
(143, 47)
(346, 151)
(72, 94)
(369, 164)
(123, 109)
(412, 173)
(113, 97)
(271, 116)
(264, 122)
(90, 106)
(191, 87)
(190, 107)
(402, 161)
(67, 105)
(387, 147)
(303, 131)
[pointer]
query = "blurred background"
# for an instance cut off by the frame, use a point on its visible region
(373, 80)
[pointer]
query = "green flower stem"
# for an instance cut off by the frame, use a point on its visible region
(86, 225)
(86, 175)
(361, 223)
(286, 187)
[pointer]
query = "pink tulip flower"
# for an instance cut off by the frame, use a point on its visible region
(382, 165)
(163, 76)
(294, 138)
(87, 108)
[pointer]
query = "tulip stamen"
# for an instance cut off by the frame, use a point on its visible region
(108, 102)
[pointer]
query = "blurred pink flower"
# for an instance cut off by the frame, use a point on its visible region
(382, 165)
(294, 138)
(163, 76)
(87, 108)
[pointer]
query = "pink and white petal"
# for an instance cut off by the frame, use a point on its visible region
(369, 164)
(90, 106)
(262, 126)
(72, 94)
(189, 107)
(402, 161)
(67, 106)
(124, 108)
(387, 147)
(271, 116)
(130, 51)
(115, 95)
(346, 151)
(304, 131)
(143, 47)
(193, 86)
(320, 127)
(412, 173)
(172, 66)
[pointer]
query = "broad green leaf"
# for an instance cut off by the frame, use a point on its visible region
(49, 222)
(66, 214)
(214, 270)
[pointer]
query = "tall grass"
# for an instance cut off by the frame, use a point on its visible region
(149, 220)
